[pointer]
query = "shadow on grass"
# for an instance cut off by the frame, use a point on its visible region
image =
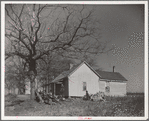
(16, 102)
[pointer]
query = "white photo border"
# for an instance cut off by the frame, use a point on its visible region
(72, 2)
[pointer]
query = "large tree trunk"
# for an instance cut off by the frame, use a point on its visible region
(39, 96)
(32, 85)
(33, 75)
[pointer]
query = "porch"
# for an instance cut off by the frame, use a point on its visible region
(56, 87)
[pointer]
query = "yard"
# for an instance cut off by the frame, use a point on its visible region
(131, 105)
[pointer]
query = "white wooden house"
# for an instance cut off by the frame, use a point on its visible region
(77, 80)
(83, 77)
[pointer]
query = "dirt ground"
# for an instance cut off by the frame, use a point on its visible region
(114, 106)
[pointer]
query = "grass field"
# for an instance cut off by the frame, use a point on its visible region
(130, 105)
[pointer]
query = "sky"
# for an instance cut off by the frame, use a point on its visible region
(123, 27)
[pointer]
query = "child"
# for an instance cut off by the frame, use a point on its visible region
(87, 95)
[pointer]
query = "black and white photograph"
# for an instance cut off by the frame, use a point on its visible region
(74, 60)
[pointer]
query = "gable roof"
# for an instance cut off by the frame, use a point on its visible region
(111, 75)
(64, 74)
(72, 70)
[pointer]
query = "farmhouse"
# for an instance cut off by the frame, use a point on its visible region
(83, 77)
(77, 80)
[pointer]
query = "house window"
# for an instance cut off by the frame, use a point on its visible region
(84, 86)
(107, 88)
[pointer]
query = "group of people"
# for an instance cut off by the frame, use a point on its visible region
(91, 97)
(61, 92)
(86, 96)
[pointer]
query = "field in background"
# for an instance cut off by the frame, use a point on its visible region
(135, 94)
(131, 105)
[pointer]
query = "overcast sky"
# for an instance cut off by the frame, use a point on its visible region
(123, 27)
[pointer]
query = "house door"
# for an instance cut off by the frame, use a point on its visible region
(58, 87)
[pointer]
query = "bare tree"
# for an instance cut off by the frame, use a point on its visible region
(34, 31)
(51, 68)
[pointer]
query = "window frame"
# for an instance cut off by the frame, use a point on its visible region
(107, 89)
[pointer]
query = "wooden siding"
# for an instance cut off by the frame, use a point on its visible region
(102, 85)
(117, 89)
(83, 74)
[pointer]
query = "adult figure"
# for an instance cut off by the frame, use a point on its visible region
(62, 90)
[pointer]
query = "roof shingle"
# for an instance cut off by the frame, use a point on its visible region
(111, 75)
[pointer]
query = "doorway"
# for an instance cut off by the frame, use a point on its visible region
(58, 87)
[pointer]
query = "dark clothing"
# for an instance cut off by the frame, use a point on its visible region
(87, 95)
(62, 90)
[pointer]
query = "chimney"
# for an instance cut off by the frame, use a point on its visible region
(113, 68)
(71, 65)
